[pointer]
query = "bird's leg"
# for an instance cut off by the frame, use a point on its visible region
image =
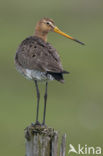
(38, 98)
(45, 100)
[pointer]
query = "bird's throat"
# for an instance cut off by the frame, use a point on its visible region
(41, 34)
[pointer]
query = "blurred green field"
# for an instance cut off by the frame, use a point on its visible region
(75, 107)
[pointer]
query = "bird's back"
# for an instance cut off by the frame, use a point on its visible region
(36, 54)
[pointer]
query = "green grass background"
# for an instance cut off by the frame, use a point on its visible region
(75, 107)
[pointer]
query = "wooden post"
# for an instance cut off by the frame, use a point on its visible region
(63, 146)
(43, 141)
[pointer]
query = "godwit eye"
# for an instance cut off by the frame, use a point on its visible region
(47, 23)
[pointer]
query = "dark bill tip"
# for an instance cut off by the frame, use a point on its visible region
(79, 41)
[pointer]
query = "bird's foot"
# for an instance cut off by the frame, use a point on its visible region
(44, 125)
(37, 123)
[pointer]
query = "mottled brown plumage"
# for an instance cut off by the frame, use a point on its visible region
(35, 54)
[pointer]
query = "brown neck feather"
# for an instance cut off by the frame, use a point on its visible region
(41, 34)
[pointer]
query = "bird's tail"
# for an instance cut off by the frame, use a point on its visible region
(58, 76)
(65, 72)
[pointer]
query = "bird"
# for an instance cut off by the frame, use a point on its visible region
(38, 60)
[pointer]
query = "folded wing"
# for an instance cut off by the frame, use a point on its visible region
(35, 54)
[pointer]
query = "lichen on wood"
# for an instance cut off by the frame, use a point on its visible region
(41, 141)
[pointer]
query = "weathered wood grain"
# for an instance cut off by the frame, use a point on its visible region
(63, 146)
(43, 141)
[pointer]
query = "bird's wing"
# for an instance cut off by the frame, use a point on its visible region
(35, 54)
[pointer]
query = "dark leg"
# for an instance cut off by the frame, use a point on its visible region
(45, 100)
(38, 98)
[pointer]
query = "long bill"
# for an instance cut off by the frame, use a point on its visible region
(57, 30)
